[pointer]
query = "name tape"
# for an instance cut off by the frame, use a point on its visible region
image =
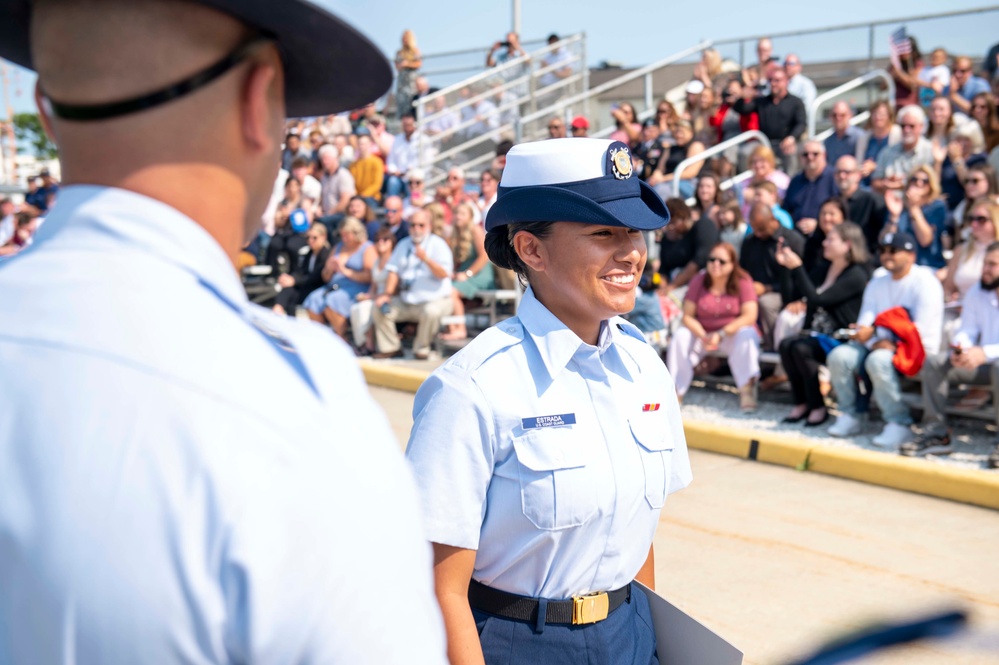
(549, 421)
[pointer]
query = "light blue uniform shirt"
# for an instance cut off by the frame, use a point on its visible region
(175, 484)
(550, 457)
(417, 284)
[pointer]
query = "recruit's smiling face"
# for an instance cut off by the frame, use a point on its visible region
(590, 272)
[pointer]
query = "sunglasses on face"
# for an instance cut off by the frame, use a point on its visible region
(973, 181)
(920, 181)
(908, 125)
(393, 209)
(979, 219)
(811, 154)
(715, 259)
(418, 226)
(979, 107)
(415, 182)
(845, 171)
(578, 129)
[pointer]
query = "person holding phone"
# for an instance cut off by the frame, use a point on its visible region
(546, 448)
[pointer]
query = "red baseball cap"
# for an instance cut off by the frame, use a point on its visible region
(579, 122)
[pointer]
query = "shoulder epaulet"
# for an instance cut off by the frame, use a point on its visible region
(488, 343)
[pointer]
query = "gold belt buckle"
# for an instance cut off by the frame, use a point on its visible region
(591, 608)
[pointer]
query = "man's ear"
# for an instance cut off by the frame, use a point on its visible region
(259, 108)
(531, 251)
(44, 112)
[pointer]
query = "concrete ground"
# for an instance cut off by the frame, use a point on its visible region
(779, 561)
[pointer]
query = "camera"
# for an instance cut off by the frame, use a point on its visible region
(845, 333)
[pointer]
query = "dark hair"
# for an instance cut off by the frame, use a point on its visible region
(678, 209)
(299, 162)
(503, 147)
(410, 115)
(839, 203)
(499, 245)
(384, 232)
(369, 214)
(708, 175)
(990, 176)
(737, 275)
(291, 135)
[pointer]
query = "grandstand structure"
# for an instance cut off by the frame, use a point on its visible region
(522, 105)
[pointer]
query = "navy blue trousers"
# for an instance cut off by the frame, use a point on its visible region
(625, 637)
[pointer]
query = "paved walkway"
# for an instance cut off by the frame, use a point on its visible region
(778, 561)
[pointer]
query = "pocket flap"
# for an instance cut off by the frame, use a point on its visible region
(550, 449)
(651, 430)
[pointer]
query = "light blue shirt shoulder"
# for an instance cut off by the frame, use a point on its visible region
(176, 463)
(549, 456)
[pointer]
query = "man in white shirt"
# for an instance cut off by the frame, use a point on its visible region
(904, 284)
(972, 359)
(896, 162)
(171, 488)
(337, 185)
(418, 289)
(798, 84)
(404, 155)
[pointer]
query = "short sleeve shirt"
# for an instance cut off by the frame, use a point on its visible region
(549, 456)
(715, 312)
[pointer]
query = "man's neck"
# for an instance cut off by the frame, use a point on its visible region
(901, 274)
(778, 98)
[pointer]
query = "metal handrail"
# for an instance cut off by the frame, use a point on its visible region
(481, 51)
(492, 72)
(614, 83)
(751, 135)
(849, 85)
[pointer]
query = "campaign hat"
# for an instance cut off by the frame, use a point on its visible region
(329, 65)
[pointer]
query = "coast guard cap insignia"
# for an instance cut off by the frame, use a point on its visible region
(621, 163)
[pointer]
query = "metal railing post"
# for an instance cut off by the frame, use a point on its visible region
(751, 135)
(849, 85)
(648, 90)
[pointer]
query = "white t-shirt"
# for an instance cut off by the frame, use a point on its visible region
(920, 292)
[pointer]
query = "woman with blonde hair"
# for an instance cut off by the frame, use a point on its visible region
(347, 273)
(407, 63)
(921, 211)
(763, 163)
(965, 267)
(439, 225)
(472, 270)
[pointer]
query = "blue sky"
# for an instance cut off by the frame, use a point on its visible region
(640, 33)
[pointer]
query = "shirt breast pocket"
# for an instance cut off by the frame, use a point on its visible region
(555, 482)
(655, 447)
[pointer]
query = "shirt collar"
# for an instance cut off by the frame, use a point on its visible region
(147, 225)
(555, 342)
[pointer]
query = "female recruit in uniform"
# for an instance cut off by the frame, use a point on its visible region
(545, 449)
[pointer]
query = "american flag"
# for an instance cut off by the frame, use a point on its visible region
(899, 43)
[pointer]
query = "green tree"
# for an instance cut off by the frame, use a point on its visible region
(28, 128)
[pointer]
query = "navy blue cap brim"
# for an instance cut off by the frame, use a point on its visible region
(310, 38)
(549, 203)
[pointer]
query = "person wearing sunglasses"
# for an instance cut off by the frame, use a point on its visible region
(896, 161)
(809, 189)
(556, 128)
(980, 181)
(546, 448)
(719, 313)
(872, 349)
(922, 213)
(964, 85)
(983, 111)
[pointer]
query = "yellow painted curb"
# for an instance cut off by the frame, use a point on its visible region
(910, 474)
(970, 486)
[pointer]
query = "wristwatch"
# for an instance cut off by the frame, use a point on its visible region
(469, 274)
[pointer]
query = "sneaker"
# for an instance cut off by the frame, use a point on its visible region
(893, 435)
(993, 460)
(928, 444)
(846, 425)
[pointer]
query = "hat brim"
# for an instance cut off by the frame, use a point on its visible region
(351, 70)
(553, 204)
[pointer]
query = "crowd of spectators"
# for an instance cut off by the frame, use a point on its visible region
(808, 258)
